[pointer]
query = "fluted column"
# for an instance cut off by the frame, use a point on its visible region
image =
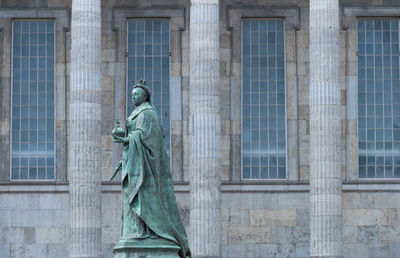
(326, 224)
(85, 136)
(205, 130)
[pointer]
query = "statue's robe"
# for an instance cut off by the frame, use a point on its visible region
(147, 175)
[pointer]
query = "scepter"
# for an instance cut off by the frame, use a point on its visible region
(118, 168)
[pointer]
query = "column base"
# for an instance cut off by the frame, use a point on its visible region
(146, 248)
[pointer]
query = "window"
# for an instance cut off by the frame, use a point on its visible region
(33, 133)
(263, 100)
(148, 58)
(378, 98)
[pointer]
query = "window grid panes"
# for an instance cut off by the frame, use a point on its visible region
(378, 98)
(32, 136)
(148, 58)
(263, 100)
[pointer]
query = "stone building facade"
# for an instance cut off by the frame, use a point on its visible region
(264, 207)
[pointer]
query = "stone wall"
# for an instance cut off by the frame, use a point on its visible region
(114, 80)
(254, 223)
(34, 224)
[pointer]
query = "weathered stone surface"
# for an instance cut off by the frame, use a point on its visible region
(386, 200)
(303, 218)
(61, 217)
(351, 200)
(326, 223)
(19, 201)
(286, 250)
(22, 218)
(5, 250)
(29, 235)
(58, 3)
(237, 217)
(365, 217)
(236, 250)
(367, 234)
(298, 235)
(5, 217)
(379, 250)
(205, 129)
(57, 250)
(106, 143)
(281, 238)
(394, 249)
(266, 250)
(253, 201)
(52, 201)
(302, 251)
(110, 234)
(272, 218)
(280, 234)
(350, 234)
(389, 233)
(51, 235)
(249, 235)
(107, 84)
(356, 250)
(393, 217)
(292, 200)
(110, 217)
(366, 200)
(84, 167)
(29, 251)
(12, 235)
(107, 250)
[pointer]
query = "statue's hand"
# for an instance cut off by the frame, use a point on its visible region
(120, 139)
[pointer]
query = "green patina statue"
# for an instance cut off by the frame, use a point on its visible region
(150, 213)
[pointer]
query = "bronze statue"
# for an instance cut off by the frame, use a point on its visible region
(149, 208)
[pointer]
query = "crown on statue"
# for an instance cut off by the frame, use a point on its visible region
(141, 83)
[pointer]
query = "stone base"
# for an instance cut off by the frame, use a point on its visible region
(146, 248)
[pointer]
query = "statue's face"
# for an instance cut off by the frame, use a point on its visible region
(138, 96)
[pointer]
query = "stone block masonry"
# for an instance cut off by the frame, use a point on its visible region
(282, 230)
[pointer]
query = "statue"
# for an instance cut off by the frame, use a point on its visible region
(150, 215)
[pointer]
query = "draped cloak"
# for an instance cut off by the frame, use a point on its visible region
(146, 170)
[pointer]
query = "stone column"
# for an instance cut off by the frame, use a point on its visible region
(205, 130)
(85, 137)
(326, 225)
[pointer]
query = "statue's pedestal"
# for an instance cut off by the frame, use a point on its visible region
(146, 248)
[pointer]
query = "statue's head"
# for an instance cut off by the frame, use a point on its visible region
(140, 93)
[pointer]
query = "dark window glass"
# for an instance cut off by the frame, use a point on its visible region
(263, 100)
(378, 98)
(33, 140)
